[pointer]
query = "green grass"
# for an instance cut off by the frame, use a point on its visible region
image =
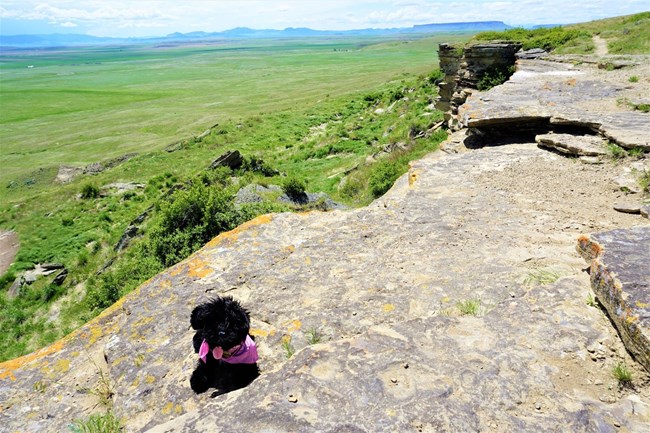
(469, 307)
(97, 423)
(313, 336)
(324, 140)
(72, 109)
(622, 374)
(628, 34)
(542, 277)
(287, 346)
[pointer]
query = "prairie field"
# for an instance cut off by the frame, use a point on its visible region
(83, 105)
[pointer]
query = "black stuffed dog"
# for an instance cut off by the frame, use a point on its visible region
(227, 354)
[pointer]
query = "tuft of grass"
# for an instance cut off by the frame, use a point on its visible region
(541, 277)
(622, 374)
(616, 151)
(591, 301)
(314, 336)
(469, 307)
(288, 347)
(633, 79)
(644, 181)
(98, 423)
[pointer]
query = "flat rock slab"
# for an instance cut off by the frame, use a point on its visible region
(559, 94)
(382, 285)
(620, 277)
(578, 145)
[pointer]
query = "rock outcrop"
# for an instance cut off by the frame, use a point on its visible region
(464, 67)
(549, 96)
(620, 278)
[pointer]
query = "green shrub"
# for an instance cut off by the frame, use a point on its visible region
(294, 187)
(6, 279)
(89, 190)
(495, 76)
(383, 176)
(633, 79)
(545, 38)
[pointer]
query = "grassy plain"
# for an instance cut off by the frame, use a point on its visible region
(81, 106)
(314, 109)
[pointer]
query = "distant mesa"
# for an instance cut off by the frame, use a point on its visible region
(69, 40)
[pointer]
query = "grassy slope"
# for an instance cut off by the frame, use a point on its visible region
(80, 107)
(271, 101)
(624, 35)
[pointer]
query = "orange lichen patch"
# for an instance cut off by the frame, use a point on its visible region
(290, 249)
(413, 176)
(571, 82)
(255, 332)
(149, 379)
(587, 249)
(167, 409)
(62, 365)
(295, 325)
(8, 367)
(176, 270)
(388, 308)
(232, 235)
(198, 268)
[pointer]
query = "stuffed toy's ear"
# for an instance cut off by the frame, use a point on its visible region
(197, 320)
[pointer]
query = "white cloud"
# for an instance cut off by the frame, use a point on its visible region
(68, 24)
(106, 17)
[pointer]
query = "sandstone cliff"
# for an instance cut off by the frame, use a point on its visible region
(434, 304)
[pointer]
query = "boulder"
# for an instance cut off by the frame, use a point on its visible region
(60, 277)
(576, 145)
(620, 278)
(232, 159)
(628, 207)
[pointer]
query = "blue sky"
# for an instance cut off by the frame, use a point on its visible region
(122, 18)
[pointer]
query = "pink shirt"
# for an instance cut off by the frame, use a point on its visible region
(245, 353)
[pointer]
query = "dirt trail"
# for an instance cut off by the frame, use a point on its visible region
(601, 46)
(8, 249)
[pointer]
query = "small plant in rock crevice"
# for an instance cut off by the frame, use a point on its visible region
(313, 336)
(288, 347)
(623, 374)
(469, 307)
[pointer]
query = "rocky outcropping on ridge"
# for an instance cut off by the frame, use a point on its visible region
(387, 288)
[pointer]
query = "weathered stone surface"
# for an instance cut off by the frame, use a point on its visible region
(381, 285)
(60, 277)
(578, 145)
(548, 95)
(620, 277)
(645, 211)
(628, 207)
(534, 53)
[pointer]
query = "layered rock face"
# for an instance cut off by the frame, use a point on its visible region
(620, 277)
(464, 68)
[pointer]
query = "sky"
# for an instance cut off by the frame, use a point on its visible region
(141, 18)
